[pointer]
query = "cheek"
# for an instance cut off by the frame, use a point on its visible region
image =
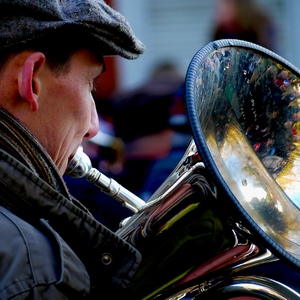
(74, 104)
(84, 109)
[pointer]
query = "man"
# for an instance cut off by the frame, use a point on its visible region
(50, 54)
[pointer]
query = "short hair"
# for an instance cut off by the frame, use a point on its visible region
(58, 48)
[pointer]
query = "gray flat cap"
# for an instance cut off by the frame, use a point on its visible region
(25, 20)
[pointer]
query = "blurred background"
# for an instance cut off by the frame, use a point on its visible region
(176, 29)
(144, 130)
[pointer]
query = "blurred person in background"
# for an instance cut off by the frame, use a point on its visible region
(147, 120)
(244, 20)
(161, 167)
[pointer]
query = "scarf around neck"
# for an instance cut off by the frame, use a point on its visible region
(16, 140)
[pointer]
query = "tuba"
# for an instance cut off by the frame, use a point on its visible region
(225, 224)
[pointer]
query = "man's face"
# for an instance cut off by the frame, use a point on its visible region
(67, 108)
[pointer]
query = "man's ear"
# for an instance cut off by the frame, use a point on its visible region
(28, 81)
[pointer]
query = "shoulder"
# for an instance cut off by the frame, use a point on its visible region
(32, 257)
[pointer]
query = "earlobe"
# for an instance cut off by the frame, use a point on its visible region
(28, 82)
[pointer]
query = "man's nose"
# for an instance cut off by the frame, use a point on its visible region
(94, 124)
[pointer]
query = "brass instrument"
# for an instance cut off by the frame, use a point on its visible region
(81, 167)
(228, 215)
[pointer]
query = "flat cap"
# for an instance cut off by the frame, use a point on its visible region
(25, 20)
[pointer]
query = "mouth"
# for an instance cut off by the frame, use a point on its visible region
(70, 164)
(75, 164)
(71, 157)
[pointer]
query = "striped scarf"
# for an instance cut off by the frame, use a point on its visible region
(16, 140)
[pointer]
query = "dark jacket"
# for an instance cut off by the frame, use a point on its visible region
(52, 249)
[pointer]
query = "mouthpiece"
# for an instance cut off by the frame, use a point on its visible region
(80, 167)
